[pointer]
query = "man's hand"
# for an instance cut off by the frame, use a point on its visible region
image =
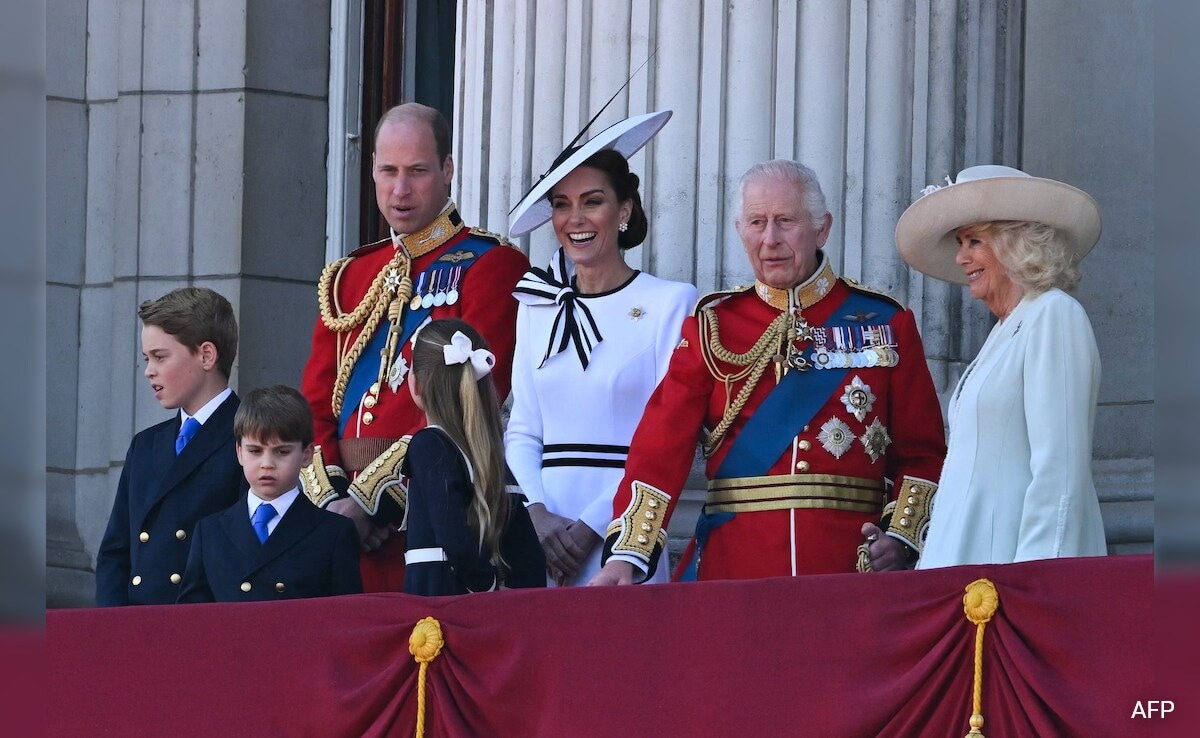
(887, 553)
(613, 573)
(370, 536)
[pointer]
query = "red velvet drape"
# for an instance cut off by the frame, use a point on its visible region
(1069, 652)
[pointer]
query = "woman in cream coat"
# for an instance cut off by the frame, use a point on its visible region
(1017, 483)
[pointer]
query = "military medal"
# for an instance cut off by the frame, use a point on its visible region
(439, 297)
(415, 303)
(452, 295)
(427, 299)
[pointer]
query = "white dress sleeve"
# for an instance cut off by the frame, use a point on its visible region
(1061, 376)
(523, 437)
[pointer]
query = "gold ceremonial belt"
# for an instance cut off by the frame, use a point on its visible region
(794, 491)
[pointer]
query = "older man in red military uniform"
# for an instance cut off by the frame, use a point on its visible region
(372, 303)
(821, 422)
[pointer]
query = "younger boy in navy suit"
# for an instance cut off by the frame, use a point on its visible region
(273, 544)
(184, 468)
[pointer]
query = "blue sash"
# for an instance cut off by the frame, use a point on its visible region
(366, 369)
(781, 417)
(794, 402)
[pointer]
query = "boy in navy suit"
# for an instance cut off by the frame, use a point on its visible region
(273, 544)
(180, 470)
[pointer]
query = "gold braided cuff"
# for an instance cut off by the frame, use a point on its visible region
(382, 477)
(317, 480)
(639, 531)
(911, 511)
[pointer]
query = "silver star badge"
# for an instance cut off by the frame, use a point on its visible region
(398, 372)
(836, 437)
(858, 398)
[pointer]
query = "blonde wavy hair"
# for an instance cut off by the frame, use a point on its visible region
(469, 412)
(1035, 255)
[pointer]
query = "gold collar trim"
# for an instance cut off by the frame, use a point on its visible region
(442, 229)
(806, 294)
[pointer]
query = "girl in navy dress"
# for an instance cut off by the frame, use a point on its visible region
(466, 533)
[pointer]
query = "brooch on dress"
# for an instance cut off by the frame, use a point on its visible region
(636, 313)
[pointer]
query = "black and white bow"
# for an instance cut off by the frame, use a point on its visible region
(573, 324)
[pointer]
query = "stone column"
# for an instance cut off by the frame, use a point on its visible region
(880, 98)
(185, 145)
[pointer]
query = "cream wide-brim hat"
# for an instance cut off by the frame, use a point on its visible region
(626, 137)
(925, 233)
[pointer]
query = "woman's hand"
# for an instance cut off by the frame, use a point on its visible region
(370, 536)
(566, 542)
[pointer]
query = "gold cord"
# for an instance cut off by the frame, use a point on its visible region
(766, 349)
(391, 285)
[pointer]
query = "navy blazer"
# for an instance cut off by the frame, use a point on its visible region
(159, 499)
(311, 553)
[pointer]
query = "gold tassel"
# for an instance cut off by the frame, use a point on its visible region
(979, 603)
(424, 644)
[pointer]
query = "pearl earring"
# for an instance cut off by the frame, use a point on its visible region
(623, 227)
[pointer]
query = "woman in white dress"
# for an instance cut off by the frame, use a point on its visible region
(594, 337)
(1017, 482)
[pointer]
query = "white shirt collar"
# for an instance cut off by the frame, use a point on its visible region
(209, 408)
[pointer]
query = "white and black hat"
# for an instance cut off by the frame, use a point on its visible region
(627, 137)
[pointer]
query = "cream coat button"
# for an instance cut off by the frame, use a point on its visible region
(144, 537)
(181, 534)
(176, 579)
(802, 466)
(368, 418)
(278, 586)
(137, 580)
(805, 445)
(245, 586)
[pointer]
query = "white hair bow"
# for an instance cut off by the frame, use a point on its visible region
(459, 351)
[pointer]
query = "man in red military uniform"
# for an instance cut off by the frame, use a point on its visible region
(372, 303)
(821, 423)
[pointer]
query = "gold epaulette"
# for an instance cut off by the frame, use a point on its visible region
(718, 296)
(862, 289)
(490, 236)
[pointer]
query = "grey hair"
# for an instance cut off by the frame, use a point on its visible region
(1035, 255)
(812, 199)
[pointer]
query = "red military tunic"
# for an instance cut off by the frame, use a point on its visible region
(377, 420)
(804, 514)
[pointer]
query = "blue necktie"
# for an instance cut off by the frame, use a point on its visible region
(262, 516)
(189, 428)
